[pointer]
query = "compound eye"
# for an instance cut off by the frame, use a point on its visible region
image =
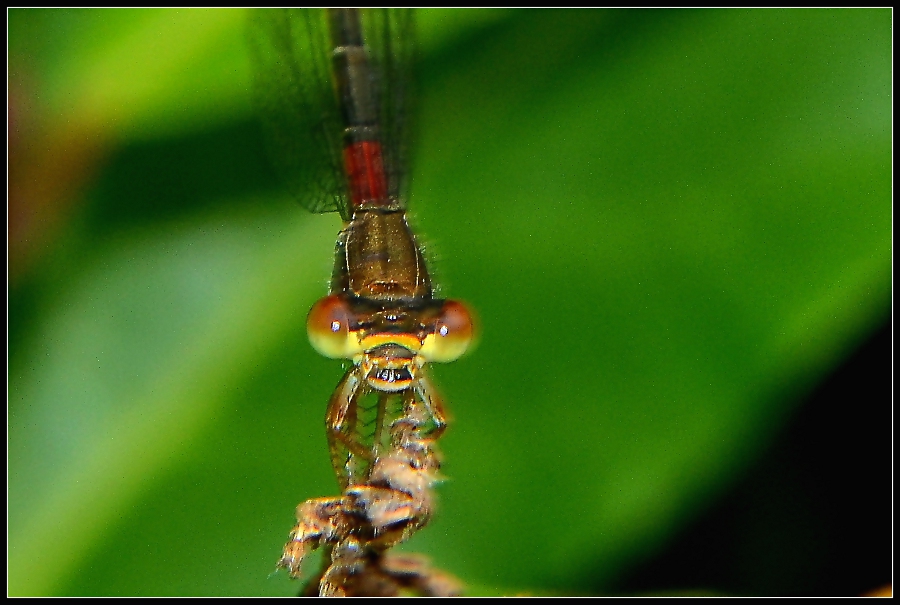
(328, 327)
(452, 334)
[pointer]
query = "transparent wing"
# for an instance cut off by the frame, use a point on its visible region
(295, 101)
(295, 98)
(390, 37)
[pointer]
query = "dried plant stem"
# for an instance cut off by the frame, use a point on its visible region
(358, 528)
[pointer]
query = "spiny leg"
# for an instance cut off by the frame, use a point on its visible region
(340, 426)
(433, 404)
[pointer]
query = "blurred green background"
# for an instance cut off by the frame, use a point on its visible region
(672, 225)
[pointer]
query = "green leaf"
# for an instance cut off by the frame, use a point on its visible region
(671, 224)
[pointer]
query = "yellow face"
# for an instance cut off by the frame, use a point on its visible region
(389, 346)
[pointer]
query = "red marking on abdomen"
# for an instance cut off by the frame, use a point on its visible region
(365, 172)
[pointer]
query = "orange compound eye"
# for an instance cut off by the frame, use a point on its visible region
(452, 334)
(328, 327)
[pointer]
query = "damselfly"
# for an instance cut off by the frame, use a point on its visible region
(349, 71)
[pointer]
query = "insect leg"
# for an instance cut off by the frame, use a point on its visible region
(434, 407)
(347, 454)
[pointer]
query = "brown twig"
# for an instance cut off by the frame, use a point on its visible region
(360, 526)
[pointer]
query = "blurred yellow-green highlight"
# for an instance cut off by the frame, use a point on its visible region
(672, 225)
